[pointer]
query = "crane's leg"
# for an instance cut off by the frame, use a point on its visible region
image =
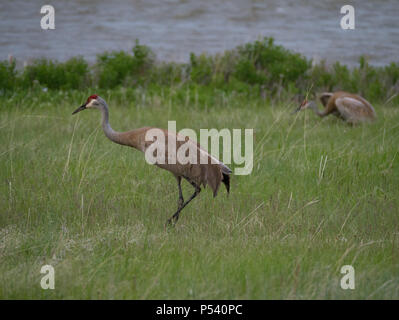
(181, 199)
(173, 219)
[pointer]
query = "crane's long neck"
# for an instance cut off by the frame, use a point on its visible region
(316, 110)
(109, 132)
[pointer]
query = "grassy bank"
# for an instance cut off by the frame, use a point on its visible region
(322, 194)
(261, 69)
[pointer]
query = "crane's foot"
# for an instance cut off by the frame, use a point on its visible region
(169, 224)
(172, 221)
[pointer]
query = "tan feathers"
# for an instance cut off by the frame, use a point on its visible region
(193, 164)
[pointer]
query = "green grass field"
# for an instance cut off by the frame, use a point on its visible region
(322, 194)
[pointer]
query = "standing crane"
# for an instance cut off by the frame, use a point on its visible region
(197, 173)
(347, 106)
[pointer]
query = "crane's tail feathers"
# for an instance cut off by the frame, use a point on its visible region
(215, 174)
(226, 171)
(226, 181)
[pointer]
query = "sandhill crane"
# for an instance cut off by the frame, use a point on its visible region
(347, 106)
(197, 173)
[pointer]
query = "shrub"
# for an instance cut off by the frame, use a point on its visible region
(169, 74)
(201, 69)
(259, 68)
(118, 67)
(72, 74)
(8, 75)
(265, 63)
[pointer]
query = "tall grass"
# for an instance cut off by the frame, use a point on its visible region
(322, 195)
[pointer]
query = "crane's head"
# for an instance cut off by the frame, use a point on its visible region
(94, 101)
(304, 105)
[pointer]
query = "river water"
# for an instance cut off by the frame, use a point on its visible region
(174, 28)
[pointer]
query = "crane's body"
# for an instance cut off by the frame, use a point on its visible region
(198, 173)
(348, 106)
(209, 172)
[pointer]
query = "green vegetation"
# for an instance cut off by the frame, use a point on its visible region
(322, 195)
(72, 74)
(8, 76)
(261, 68)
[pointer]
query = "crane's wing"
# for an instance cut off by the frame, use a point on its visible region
(186, 158)
(353, 110)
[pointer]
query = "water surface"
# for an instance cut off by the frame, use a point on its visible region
(175, 28)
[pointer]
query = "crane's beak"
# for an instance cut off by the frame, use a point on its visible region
(82, 107)
(297, 109)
